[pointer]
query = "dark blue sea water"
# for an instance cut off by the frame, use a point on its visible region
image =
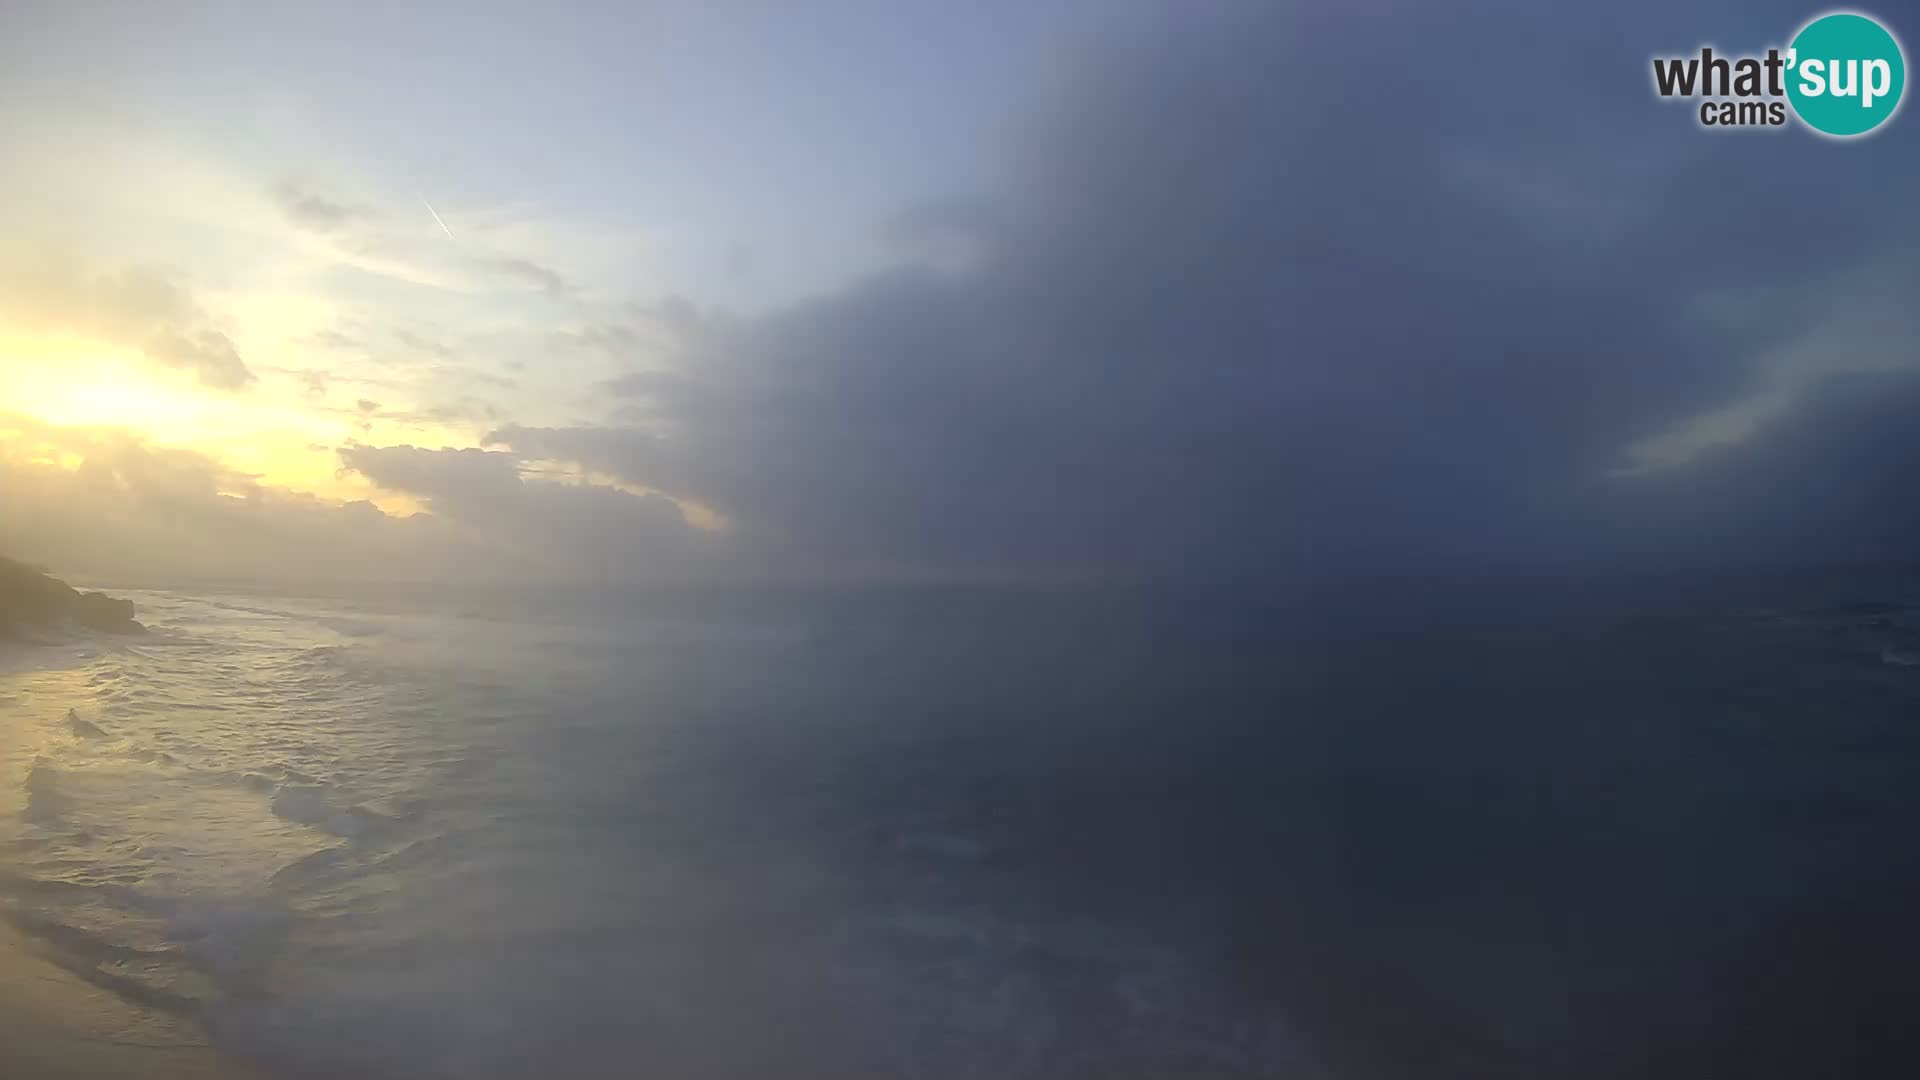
(1535, 831)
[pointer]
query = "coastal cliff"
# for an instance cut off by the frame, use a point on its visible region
(29, 599)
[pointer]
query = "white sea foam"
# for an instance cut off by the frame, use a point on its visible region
(365, 843)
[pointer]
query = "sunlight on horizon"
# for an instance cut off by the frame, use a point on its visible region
(85, 387)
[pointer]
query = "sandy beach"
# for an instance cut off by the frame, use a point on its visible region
(56, 1026)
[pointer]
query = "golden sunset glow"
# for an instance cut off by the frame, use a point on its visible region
(271, 435)
(77, 383)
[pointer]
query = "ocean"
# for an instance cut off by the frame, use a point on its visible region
(978, 832)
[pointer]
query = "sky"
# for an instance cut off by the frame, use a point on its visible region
(880, 291)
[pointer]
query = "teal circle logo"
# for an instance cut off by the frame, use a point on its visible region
(1845, 74)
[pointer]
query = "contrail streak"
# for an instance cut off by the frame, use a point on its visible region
(436, 217)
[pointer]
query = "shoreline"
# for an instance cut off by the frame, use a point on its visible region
(55, 1025)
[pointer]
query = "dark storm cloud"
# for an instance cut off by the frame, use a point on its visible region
(573, 527)
(1269, 293)
(617, 452)
(451, 479)
(1831, 480)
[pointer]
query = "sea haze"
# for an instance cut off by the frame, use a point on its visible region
(1444, 832)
